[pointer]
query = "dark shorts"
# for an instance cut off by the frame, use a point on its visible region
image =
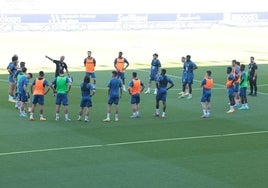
(23, 97)
(153, 76)
(188, 79)
(121, 75)
(243, 92)
(135, 99)
(91, 74)
(206, 96)
(11, 78)
(236, 87)
(85, 102)
(113, 100)
(62, 99)
(38, 99)
(230, 92)
(161, 96)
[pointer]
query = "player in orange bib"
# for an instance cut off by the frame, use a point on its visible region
(230, 89)
(237, 73)
(39, 88)
(135, 88)
(207, 85)
(90, 64)
(119, 65)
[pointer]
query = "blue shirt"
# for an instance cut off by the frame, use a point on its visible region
(86, 88)
(23, 82)
(163, 82)
(114, 86)
(11, 67)
(155, 66)
(189, 67)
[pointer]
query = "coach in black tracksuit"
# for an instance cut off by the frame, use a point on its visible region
(252, 70)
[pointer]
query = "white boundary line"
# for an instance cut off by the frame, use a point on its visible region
(132, 143)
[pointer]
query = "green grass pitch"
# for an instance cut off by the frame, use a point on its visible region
(182, 150)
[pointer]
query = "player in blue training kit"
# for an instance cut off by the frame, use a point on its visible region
(87, 91)
(114, 94)
(189, 67)
(155, 70)
(161, 84)
(23, 93)
(12, 68)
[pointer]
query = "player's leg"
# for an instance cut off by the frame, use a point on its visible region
(183, 88)
(116, 107)
(149, 85)
(34, 102)
(41, 112)
(66, 109)
(133, 106)
(190, 90)
(80, 112)
(23, 100)
(87, 108)
(122, 76)
(58, 104)
(231, 100)
(251, 85)
(157, 98)
(204, 105)
(164, 99)
(255, 86)
(138, 105)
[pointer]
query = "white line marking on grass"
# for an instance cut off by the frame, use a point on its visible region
(132, 143)
(50, 149)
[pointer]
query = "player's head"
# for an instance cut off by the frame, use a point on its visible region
(252, 59)
(22, 64)
(208, 73)
(155, 55)
(15, 58)
(62, 58)
(134, 74)
(242, 67)
(89, 53)
(29, 75)
(163, 71)
(233, 62)
(24, 69)
(41, 74)
(229, 70)
(114, 73)
(86, 79)
(120, 54)
(182, 59)
(188, 58)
